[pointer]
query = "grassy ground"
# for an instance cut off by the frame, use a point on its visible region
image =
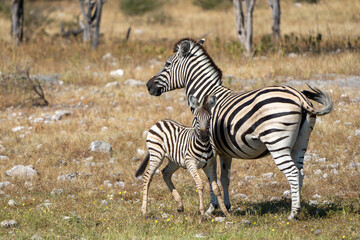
(120, 115)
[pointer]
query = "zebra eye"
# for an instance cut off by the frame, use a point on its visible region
(167, 64)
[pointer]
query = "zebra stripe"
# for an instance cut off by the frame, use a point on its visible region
(186, 147)
(246, 125)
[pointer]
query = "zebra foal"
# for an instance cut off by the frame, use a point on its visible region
(187, 147)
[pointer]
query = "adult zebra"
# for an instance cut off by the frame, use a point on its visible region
(246, 125)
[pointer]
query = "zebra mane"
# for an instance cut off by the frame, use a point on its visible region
(195, 43)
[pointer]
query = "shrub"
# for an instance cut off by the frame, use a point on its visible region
(139, 7)
(212, 4)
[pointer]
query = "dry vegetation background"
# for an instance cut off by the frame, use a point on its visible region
(88, 207)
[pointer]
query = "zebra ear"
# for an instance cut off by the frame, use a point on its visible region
(184, 48)
(201, 41)
(193, 102)
(212, 101)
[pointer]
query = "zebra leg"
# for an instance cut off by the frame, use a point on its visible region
(155, 162)
(191, 166)
(225, 164)
(285, 163)
(301, 144)
(167, 173)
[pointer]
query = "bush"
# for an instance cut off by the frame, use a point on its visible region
(139, 7)
(212, 4)
(307, 1)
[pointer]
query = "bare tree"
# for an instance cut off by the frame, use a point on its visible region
(244, 23)
(275, 7)
(92, 20)
(17, 20)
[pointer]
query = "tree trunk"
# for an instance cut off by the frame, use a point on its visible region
(17, 20)
(97, 24)
(275, 7)
(244, 23)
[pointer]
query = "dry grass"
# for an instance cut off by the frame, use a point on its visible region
(127, 112)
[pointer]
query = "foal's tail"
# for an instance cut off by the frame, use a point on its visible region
(143, 165)
(320, 97)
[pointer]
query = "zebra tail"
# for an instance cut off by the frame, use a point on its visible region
(320, 97)
(143, 165)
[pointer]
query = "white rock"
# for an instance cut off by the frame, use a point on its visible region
(219, 219)
(4, 184)
(334, 171)
(133, 83)
(140, 151)
(241, 195)
(354, 165)
(117, 73)
(22, 171)
(316, 196)
(12, 203)
(297, 4)
(100, 146)
(59, 114)
(68, 177)
(268, 175)
(317, 172)
(28, 184)
(104, 202)
(16, 129)
(2, 148)
(112, 84)
(313, 202)
(249, 178)
(4, 158)
(229, 224)
(321, 160)
(293, 55)
(119, 184)
(9, 223)
(169, 109)
(38, 120)
(357, 132)
(274, 199)
(57, 191)
(286, 194)
(165, 215)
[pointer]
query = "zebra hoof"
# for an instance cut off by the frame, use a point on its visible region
(180, 209)
(293, 216)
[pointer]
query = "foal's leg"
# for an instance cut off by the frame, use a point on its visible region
(167, 172)
(191, 166)
(155, 161)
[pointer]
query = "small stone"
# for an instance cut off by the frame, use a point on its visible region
(104, 202)
(219, 219)
(100, 146)
(354, 165)
(293, 55)
(199, 235)
(59, 114)
(4, 158)
(22, 171)
(133, 83)
(268, 175)
(229, 224)
(165, 215)
(108, 184)
(112, 84)
(9, 224)
(275, 199)
(17, 129)
(28, 185)
(313, 202)
(36, 237)
(317, 232)
(286, 194)
(69, 177)
(2, 148)
(140, 151)
(117, 73)
(357, 132)
(334, 171)
(38, 120)
(4, 184)
(325, 175)
(321, 160)
(240, 195)
(169, 109)
(317, 196)
(249, 178)
(12, 203)
(119, 184)
(245, 222)
(317, 172)
(57, 191)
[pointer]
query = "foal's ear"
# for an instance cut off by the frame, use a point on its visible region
(201, 41)
(212, 101)
(193, 101)
(184, 48)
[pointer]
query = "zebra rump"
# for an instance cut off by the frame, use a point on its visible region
(320, 97)
(143, 165)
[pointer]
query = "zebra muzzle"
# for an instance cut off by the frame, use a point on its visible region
(152, 88)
